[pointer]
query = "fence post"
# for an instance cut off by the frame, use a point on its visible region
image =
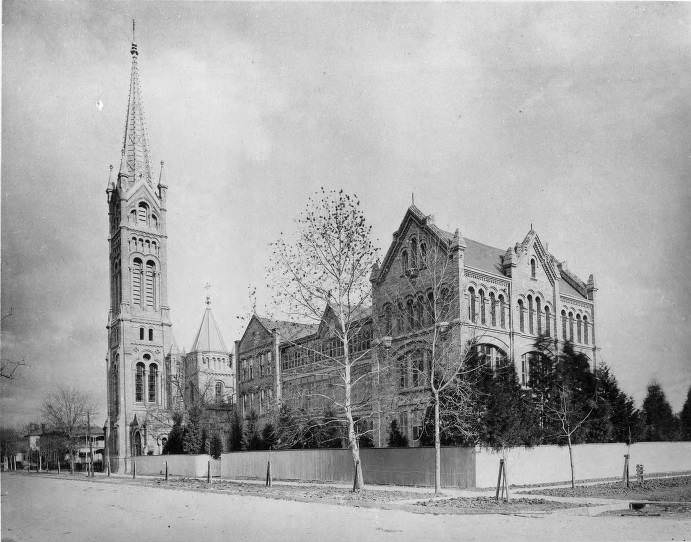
(134, 469)
(108, 465)
(208, 471)
(166, 471)
(268, 473)
(501, 471)
(626, 469)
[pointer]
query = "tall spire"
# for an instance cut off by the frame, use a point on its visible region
(135, 162)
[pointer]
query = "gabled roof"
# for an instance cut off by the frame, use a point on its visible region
(291, 331)
(484, 257)
(208, 337)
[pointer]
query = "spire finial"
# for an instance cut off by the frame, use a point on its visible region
(133, 50)
(412, 198)
(207, 287)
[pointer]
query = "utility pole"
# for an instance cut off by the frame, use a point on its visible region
(91, 446)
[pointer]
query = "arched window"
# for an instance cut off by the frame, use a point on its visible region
(387, 319)
(430, 308)
(418, 367)
(139, 383)
(521, 316)
(420, 312)
(413, 252)
(141, 333)
(404, 261)
(483, 318)
(142, 214)
(219, 392)
(491, 355)
(471, 304)
(154, 221)
(527, 361)
(578, 328)
(400, 320)
(563, 325)
(149, 285)
(151, 334)
(547, 322)
(571, 326)
(585, 329)
(444, 304)
(538, 314)
(133, 216)
(153, 381)
(532, 268)
(137, 282)
(423, 254)
(492, 310)
(411, 314)
(502, 312)
(530, 314)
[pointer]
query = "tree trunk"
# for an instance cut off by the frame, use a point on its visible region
(71, 461)
(437, 446)
(359, 482)
(573, 485)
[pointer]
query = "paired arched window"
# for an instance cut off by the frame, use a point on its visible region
(530, 314)
(472, 312)
(153, 381)
(137, 282)
(139, 383)
(219, 392)
(521, 315)
(142, 214)
(412, 369)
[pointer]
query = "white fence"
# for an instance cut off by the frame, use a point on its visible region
(549, 464)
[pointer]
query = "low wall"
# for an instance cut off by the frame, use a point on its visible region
(405, 466)
(549, 464)
(192, 466)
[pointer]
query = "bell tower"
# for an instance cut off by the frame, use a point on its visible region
(139, 327)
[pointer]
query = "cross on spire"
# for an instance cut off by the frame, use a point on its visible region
(207, 287)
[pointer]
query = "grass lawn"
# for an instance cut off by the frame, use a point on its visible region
(488, 505)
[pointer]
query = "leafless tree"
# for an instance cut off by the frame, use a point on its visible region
(8, 367)
(569, 418)
(327, 263)
(66, 410)
(427, 303)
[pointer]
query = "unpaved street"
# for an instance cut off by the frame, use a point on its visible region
(41, 508)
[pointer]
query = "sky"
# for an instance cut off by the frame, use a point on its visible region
(571, 117)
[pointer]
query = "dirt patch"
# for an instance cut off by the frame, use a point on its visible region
(488, 505)
(677, 488)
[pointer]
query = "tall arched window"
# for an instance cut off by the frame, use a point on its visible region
(547, 322)
(527, 360)
(532, 268)
(502, 312)
(219, 392)
(404, 261)
(571, 326)
(150, 285)
(492, 310)
(472, 314)
(142, 214)
(423, 254)
(400, 320)
(538, 315)
(413, 252)
(585, 329)
(430, 308)
(137, 282)
(483, 318)
(563, 325)
(133, 216)
(139, 383)
(153, 381)
(530, 314)
(420, 312)
(491, 355)
(521, 316)
(411, 314)
(578, 328)
(154, 221)
(387, 319)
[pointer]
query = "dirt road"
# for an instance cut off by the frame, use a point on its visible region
(39, 508)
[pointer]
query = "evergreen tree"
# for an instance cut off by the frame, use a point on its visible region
(685, 418)
(624, 416)
(396, 438)
(174, 443)
(237, 433)
(658, 418)
(204, 443)
(252, 436)
(328, 433)
(192, 441)
(287, 429)
(269, 436)
(216, 446)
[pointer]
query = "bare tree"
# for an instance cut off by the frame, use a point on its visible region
(427, 302)
(66, 410)
(8, 367)
(569, 417)
(327, 263)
